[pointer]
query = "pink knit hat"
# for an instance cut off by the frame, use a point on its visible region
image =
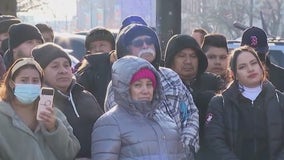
(144, 73)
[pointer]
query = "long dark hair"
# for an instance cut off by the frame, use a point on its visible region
(235, 54)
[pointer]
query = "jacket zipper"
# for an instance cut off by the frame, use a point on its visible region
(254, 130)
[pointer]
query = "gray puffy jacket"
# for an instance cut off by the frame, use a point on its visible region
(135, 130)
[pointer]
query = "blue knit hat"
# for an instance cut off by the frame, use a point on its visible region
(132, 20)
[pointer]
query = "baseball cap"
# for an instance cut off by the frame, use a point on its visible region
(256, 38)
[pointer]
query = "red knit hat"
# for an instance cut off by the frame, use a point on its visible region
(144, 73)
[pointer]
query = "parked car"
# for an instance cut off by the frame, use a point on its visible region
(276, 50)
(73, 42)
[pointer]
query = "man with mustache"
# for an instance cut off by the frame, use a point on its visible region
(184, 56)
(141, 41)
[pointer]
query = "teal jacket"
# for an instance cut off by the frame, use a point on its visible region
(17, 141)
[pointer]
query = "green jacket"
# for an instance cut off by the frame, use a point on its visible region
(17, 141)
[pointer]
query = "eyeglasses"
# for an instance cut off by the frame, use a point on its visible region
(140, 42)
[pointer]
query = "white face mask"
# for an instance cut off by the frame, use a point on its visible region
(27, 93)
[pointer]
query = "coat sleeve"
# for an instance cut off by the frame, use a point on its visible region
(181, 108)
(62, 141)
(215, 137)
(280, 95)
(106, 142)
(109, 99)
(82, 75)
(191, 127)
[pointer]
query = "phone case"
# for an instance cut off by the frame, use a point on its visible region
(46, 100)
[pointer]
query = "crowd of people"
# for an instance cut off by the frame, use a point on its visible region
(123, 101)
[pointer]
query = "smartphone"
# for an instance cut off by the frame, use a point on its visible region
(45, 101)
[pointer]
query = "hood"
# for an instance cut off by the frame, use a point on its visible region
(122, 71)
(179, 42)
(132, 31)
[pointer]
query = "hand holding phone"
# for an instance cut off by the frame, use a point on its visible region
(46, 100)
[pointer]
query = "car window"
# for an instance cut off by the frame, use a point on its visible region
(73, 42)
(277, 57)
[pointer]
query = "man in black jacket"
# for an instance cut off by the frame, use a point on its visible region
(94, 72)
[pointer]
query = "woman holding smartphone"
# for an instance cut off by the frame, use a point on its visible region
(22, 136)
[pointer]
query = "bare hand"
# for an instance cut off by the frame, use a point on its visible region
(48, 119)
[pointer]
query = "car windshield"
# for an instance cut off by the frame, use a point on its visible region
(73, 42)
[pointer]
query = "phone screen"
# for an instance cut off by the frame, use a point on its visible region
(47, 91)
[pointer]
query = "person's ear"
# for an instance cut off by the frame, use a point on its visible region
(232, 74)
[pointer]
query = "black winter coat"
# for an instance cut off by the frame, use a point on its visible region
(223, 132)
(275, 75)
(95, 75)
(81, 110)
(203, 88)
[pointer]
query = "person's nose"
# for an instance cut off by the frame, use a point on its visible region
(145, 89)
(250, 68)
(63, 69)
(217, 60)
(145, 45)
(187, 59)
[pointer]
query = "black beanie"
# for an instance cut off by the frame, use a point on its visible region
(99, 34)
(179, 42)
(19, 33)
(47, 52)
(6, 21)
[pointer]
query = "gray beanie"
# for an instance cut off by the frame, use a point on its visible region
(47, 52)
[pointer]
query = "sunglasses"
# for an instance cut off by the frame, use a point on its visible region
(140, 42)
